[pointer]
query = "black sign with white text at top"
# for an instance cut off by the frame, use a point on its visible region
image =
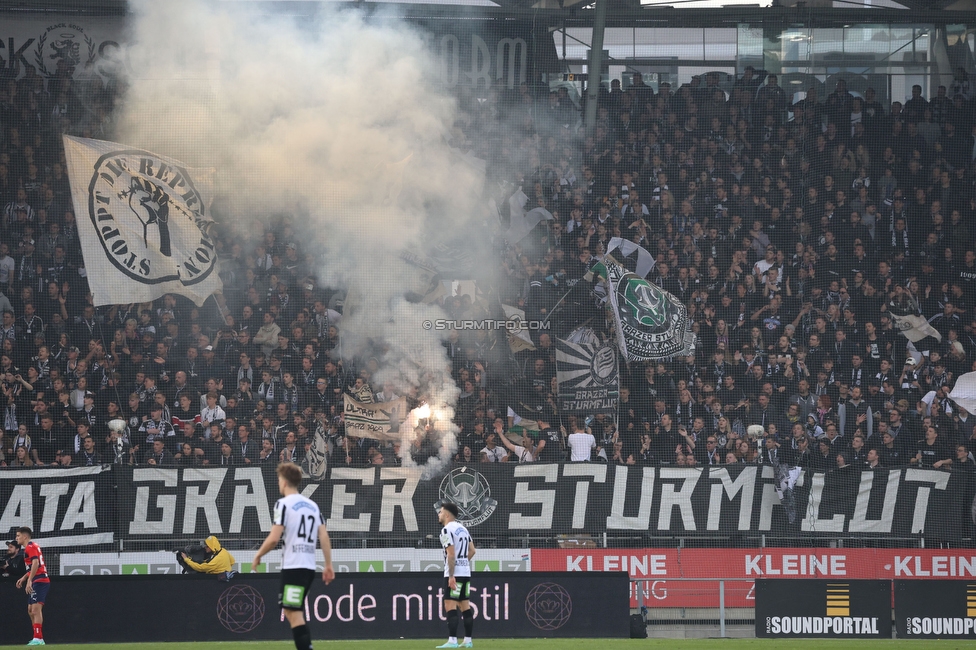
(935, 609)
(823, 608)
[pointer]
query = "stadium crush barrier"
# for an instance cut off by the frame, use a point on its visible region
(708, 600)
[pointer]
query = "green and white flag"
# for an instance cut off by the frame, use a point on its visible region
(650, 322)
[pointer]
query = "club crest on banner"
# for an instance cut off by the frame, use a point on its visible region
(469, 490)
(60, 45)
(603, 365)
(651, 323)
(588, 377)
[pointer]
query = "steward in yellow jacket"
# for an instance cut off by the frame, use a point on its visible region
(216, 561)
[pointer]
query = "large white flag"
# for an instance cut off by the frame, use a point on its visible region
(143, 221)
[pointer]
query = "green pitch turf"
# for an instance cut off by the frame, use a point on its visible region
(547, 644)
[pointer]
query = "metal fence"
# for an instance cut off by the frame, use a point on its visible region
(693, 606)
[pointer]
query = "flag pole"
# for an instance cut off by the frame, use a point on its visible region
(559, 302)
(221, 303)
(616, 413)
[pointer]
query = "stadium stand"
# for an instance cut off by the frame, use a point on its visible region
(798, 235)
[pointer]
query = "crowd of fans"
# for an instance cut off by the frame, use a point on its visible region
(790, 230)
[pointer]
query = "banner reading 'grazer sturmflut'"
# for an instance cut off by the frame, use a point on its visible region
(144, 222)
(589, 380)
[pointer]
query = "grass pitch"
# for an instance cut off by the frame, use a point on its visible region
(548, 644)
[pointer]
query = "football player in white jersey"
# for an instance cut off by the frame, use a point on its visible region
(301, 522)
(458, 551)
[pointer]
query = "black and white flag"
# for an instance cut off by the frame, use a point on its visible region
(914, 327)
(588, 376)
(144, 223)
(380, 421)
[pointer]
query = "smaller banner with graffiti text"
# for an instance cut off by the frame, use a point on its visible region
(379, 421)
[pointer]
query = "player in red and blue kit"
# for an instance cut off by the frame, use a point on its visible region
(36, 580)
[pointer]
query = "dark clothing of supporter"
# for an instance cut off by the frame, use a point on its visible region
(800, 254)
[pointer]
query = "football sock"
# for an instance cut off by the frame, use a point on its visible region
(303, 638)
(452, 624)
(38, 631)
(468, 617)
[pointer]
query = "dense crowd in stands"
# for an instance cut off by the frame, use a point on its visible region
(790, 230)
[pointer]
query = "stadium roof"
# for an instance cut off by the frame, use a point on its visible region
(691, 13)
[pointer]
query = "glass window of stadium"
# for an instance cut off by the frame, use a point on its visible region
(891, 58)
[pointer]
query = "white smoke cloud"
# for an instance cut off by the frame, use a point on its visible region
(335, 120)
